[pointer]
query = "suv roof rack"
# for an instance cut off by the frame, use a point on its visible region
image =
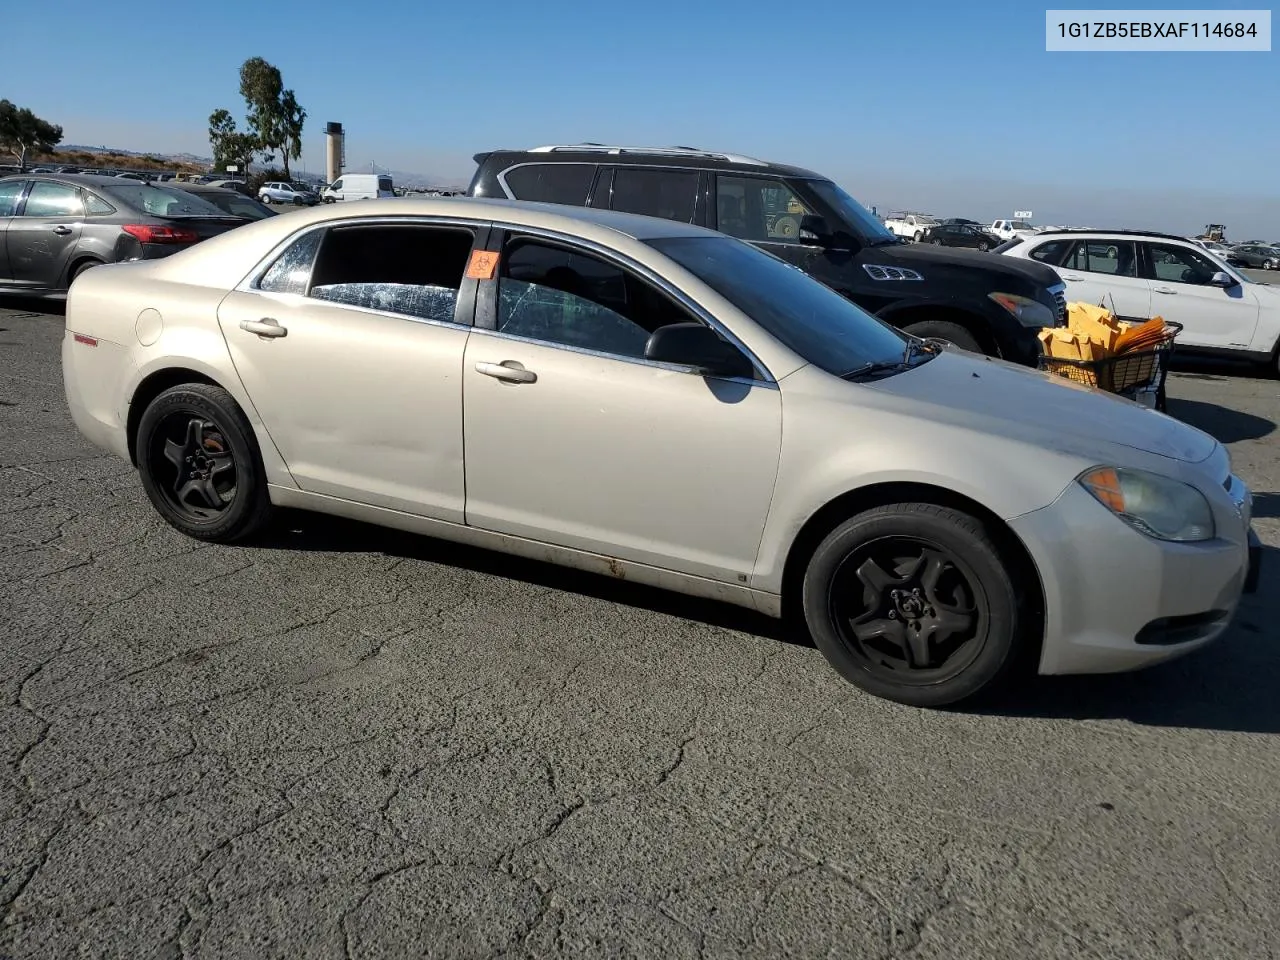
(1119, 233)
(651, 151)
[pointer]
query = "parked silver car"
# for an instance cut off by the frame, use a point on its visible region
(662, 403)
(294, 193)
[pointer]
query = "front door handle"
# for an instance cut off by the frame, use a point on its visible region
(501, 371)
(1164, 290)
(62, 231)
(1065, 277)
(266, 327)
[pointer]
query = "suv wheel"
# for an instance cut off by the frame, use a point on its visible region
(949, 333)
(1270, 264)
(915, 602)
(266, 198)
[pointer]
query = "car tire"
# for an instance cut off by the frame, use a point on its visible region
(81, 268)
(984, 246)
(915, 603)
(266, 199)
(195, 446)
(936, 242)
(1270, 264)
(944, 330)
(919, 236)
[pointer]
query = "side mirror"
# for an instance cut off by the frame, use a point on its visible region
(1222, 279)
(814, 231)
(697, 346)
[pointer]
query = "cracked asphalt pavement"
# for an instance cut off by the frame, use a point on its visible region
(348, 742)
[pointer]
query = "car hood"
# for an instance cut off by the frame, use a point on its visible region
(977, 392)
(920, 256)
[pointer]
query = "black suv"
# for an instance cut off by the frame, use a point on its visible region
(980, 302)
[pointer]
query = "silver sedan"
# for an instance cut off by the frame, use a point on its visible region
(662, 403)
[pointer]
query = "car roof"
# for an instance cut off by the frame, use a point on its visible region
(1077, 231)
(646, 157)
(83, 179)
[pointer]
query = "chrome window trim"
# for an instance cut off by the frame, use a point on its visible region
(622, 358)
(502, 177)
(666, 286)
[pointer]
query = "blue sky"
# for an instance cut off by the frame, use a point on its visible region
(950, 107)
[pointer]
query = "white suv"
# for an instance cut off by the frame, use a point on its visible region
(1142, 275)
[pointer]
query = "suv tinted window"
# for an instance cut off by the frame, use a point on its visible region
(669, 194)
(395, 268)
(758, 209)
(1115, 257)
(567, 297)
(551, 182)
(53, 200)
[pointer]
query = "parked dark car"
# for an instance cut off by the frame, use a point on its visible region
(960, 235)
(228, 201)
(976, 301)
(1257, 255)
(53, 227)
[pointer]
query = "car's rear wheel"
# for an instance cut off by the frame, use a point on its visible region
(915, 602)
(201, 465)
(984, 246)
(947, 332)
(82, 267)
(936, 242)
(1270, 264)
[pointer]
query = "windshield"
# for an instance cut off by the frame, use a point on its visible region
(1020, 225)
(161, 201)
(806, 316)
(856, 217)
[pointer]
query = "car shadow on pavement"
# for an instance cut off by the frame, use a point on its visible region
(1222, 423)
(1228, 685)
(33, 305)
(300, 530)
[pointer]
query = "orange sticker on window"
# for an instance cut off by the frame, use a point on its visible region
(483, 265)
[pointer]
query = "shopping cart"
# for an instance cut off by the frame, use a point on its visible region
(1137, 374)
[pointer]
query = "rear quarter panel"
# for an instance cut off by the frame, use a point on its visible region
(153, 323)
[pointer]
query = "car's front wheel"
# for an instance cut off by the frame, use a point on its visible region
(201, 465)
(915, 602)
(1271, 264)
(947, 332)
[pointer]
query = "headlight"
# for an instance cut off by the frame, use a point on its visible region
(1028, 312)
(1157, 506)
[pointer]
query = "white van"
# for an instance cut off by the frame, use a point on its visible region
(359, 186)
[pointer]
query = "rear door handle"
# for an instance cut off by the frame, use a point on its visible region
(1164, 290)
(500, 371)
(266, 327)
(62, 231)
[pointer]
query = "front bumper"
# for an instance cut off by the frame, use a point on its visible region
(1117, 600)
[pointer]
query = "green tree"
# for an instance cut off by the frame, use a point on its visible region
(274, 115)
(21, 131)
(231, 147)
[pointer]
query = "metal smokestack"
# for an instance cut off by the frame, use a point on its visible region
(335, 152)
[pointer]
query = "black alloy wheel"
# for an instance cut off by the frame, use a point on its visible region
(917, 603)
(195, 466)
(909, 610)
(200, 464)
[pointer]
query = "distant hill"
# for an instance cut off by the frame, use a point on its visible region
(102, 156)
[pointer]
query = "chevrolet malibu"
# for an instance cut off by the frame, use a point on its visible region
(661, 403)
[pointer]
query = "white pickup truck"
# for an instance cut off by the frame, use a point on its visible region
(910, 225)
(1008, 229)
